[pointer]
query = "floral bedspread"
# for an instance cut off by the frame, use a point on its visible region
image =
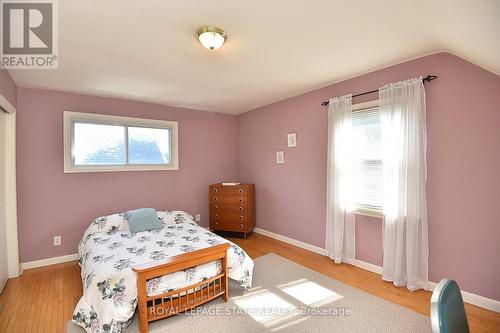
(108, 251)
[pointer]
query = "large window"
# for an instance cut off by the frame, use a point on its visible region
(94, 142)
(367, 158)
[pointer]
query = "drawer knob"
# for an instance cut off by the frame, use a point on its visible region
(215, 198)
(240, 191)
(216, 223)
(216, 215)
(216, 190)
(241, 225)
(241, 199)
(241, 217)
(215, 206)
(241, 209)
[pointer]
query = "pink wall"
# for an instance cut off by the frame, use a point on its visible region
(7, 87)
(463, 167)
(51, 202)
(463, 124)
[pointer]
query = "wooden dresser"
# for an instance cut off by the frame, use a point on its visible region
(232, 207)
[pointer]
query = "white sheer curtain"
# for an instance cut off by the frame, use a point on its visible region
(339, 204)
(403, 136)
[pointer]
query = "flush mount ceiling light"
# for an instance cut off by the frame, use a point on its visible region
(210, 37)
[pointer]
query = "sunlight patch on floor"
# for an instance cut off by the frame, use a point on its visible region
(267, 308)
(310, 293)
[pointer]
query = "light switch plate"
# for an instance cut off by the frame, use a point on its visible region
(197, 218)
(280, 157)
(57, 240)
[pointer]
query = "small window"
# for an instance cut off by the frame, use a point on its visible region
(367, 159)
(99, 143)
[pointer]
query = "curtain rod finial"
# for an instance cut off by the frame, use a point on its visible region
(429, 78)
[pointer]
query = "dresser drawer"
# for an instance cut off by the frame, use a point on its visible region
(231, 200)
(228, 190)
(215, 224)
(215, 216)
(220, 207)
(230, 226)
(234, 218)
(229, 218)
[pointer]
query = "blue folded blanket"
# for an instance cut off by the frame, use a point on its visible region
(143, 219)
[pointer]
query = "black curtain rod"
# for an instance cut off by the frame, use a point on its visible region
(428, 78)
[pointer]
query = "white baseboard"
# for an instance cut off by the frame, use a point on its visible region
(302, 245)
(367, 266)
(468, 297)
(49, 261)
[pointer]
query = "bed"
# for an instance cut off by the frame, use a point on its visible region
(176, 268)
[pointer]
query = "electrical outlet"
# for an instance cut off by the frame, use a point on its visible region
(197, 218)
(57, 240)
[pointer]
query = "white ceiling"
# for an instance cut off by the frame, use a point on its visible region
(146, 50)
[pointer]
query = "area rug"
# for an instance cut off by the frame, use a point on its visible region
(287, 297)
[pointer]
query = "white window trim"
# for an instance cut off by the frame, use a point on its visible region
(70, 117)
(371, 212)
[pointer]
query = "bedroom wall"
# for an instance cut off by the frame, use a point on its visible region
(463, 127)
(51, 202)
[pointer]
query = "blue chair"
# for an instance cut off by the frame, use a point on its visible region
(447, 309)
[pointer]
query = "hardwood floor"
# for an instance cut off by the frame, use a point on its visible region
(43, 299)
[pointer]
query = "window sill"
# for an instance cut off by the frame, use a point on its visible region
(370, 213)
(138, 167)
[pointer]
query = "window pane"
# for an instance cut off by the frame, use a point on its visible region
(96, 144)
(368, 190)
(367, 161)
(366, 134)
(149, 145)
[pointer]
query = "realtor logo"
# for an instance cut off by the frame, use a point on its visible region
(29, 34)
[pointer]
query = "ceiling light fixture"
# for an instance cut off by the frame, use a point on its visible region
(210, 37)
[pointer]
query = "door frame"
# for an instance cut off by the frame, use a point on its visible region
(11, 226)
